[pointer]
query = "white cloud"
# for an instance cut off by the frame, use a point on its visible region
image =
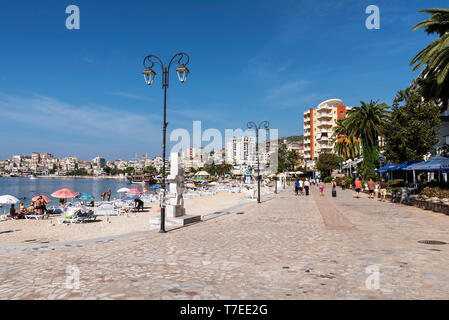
(46, 113)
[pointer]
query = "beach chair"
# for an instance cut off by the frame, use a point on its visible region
(36, 216)
(79, 217)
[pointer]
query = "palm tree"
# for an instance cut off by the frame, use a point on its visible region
(435, 76)
(346, 146)
(366, 122)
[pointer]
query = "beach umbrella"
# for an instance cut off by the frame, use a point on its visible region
(190, 185)
(204, 182)
(87, 196)
(64, 194)
(46, 199)
(130, 197)
(134, 191)
(155, 186)
(123, 190)
(7, 199)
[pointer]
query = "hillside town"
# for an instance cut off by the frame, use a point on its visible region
(240, 152)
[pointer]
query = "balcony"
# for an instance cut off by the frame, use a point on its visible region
(306, 126)
(324, 115)
(325, 124)
(323, 139)
(324, 107)
(307, 134)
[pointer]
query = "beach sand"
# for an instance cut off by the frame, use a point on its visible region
(38, 231)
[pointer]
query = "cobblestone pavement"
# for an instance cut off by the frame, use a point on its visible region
(287, 247)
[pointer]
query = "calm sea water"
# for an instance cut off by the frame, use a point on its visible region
(25, 187)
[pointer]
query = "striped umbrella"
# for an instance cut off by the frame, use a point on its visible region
(46, 199)
(135, 191)
(64, 194)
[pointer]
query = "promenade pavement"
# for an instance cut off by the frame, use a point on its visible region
(287, 247)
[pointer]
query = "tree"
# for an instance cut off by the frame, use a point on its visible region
(107, 170)
(328, 162)
(282, 158)
(129, 170)
(366, 122)
(434, 80)
(346, 146)
(150, 170)
(412, 129)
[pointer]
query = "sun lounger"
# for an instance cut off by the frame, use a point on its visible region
(79, 217)
(36, 216)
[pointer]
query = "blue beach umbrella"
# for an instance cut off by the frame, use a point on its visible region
(87, 196)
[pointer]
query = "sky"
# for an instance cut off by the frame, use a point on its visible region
(81, 92)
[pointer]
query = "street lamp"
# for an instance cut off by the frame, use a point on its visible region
(149, 76)
(251, 125)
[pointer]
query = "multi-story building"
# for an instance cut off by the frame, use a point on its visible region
(242, 150)
(318, 128)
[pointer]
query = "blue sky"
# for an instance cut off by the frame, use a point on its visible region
(81, 92)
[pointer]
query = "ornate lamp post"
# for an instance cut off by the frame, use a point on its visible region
(149, 76)
(252, 125)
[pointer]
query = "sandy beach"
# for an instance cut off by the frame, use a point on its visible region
(38, 231)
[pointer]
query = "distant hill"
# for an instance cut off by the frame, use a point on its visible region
(298, 139)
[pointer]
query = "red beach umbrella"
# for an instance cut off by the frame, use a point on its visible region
(64, 194)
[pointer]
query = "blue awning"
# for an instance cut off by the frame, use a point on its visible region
(436, 163)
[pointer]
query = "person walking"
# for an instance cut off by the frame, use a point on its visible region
(334, 188)
(307, 186)
(357, 186)
(343, 184)
(297, 186)
(371, 187)
(301, 186)
(321, 188)
(383, 190)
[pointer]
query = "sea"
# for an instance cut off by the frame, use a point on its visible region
(25, 188)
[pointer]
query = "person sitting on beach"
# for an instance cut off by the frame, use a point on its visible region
(138, 205)
(22, 208)
(30, 209)
(103, 195)
(13, 213)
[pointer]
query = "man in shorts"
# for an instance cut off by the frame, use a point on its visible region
(371, 187)
(358, 186)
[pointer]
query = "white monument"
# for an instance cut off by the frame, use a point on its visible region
(174, 201)
(175, 206)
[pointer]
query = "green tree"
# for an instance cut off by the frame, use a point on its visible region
(412, 129)
(107, 170)
(129, 170)
(282, 158)
(150, 170)
(366, 122)
(434, 79)
(346, 146)
(327, 162)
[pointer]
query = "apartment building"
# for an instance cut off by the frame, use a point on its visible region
(318, 128)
